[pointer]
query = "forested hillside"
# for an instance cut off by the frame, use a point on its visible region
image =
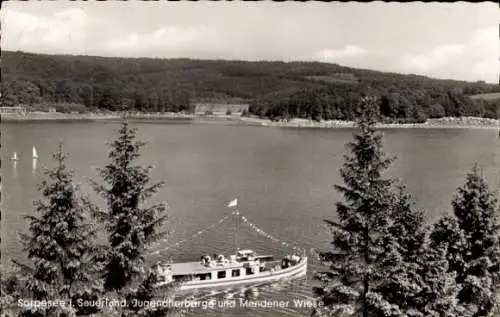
(273, 89)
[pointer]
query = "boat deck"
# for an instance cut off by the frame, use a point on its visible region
(188, 268)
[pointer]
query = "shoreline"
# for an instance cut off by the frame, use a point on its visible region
(441, 123)
(236, 119)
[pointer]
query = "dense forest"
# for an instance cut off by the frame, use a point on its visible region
(277, 90)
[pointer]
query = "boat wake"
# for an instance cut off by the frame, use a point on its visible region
(263, 284)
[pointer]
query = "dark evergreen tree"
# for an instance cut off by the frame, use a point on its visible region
(358, 262)
(447, 233)
(438, 289)
(405, 243)
(408, 227)
(141, 301)
(418, 281)
(475, 256)
(130, 225)
(60, 244)
(475, 207)
(10, 287)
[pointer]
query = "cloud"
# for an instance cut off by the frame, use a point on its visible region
(62, 29)
(335, 56)
(436, 58)
(163, 40)
(474, 60)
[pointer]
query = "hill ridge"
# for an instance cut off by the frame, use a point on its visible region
(272, 87)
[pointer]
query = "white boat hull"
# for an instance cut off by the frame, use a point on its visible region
(297, 270)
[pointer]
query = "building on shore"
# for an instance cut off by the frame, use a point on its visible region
(220, 107)
(18, 110)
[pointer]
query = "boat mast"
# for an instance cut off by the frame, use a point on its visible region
(234, 204)
(235, 237)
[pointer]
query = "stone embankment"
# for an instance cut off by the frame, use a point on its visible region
(447, 122)
(462, 122)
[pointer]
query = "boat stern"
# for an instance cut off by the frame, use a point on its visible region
(164, 274)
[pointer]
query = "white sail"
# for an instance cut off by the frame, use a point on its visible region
(35, 155)
(14, 157)
(233, 203)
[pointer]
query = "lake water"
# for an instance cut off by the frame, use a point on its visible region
(282, 178)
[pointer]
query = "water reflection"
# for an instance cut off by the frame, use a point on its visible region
(250, 294)
(33, 165)
(14, 169)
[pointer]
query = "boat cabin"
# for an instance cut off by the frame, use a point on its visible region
(245, 255)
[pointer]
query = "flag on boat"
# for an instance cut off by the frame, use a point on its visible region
(233, 203)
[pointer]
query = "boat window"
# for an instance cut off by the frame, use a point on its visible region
(204, 276)
(221, 274)
(249, 271)
(180, 278)
(235, 273)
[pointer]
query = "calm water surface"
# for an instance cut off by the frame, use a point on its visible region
(282, 178)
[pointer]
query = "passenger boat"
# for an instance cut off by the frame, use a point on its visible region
(245, 267)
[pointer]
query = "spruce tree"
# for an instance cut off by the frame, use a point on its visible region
(404, 244)
(438, 289)
(446, 233)
(130, 225)
(475, 257)
(10, 286)
(359, 260)
(139, 301)
(418, 281)
(60, 243)
(408, 226)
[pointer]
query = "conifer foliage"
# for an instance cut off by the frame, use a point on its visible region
(130, 225)
(383, 263)
(60, 243)
(360, 236)
(472, 236)
(416, 279)
(404, 244)
(138, 300)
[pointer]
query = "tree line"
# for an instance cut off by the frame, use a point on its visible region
(385, 260)
(403, 102)
(276, 90)
(67, 96)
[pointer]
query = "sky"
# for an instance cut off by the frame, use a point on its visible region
(444, 40)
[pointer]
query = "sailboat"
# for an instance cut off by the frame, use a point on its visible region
(14, 157)
(35, 155)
